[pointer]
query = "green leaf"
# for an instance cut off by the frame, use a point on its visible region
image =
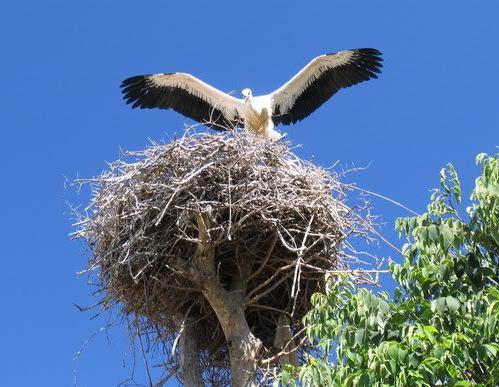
(438, 305)
(432, 233)
(452, 303)
(402, 354)
(446, 237)
(393, 352)
(359, 336)
(430, 329)
(492, 348)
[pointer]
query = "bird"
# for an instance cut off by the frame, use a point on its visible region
(313, 85)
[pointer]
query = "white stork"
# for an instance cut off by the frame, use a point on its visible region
(292, 102)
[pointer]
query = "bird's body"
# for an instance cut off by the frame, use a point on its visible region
(258, 116)
(295, 100)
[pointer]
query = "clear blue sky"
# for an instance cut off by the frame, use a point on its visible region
(62, 115)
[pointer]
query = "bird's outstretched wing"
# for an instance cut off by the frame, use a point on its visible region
(186, 95)
(320, 79)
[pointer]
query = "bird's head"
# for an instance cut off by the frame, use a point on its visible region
(247, 93)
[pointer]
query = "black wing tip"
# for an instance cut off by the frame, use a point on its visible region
(133, 90)
(369, 54)
(369, 60)
(363, 51)
(134, 80)
(369, 51)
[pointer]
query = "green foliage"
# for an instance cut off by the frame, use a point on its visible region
(442, 326)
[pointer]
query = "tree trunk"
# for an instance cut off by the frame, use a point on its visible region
(243, 345)
(228, 306)
(283, 342)
(189, 357)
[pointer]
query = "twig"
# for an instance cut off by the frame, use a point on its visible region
(266, 259)
(384, 198)
(181, 330)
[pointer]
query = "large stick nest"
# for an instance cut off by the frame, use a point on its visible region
(276, 220)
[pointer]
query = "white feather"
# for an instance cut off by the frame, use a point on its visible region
(230, 106)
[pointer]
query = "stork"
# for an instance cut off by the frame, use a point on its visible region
(313, 85)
